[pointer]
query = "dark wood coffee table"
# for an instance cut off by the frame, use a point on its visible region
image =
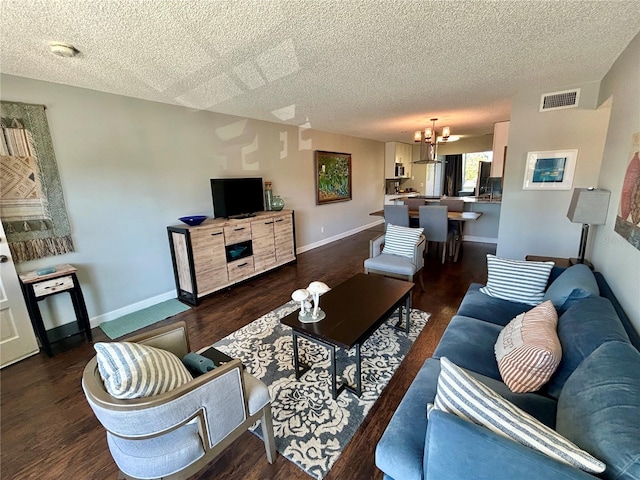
(354, 310)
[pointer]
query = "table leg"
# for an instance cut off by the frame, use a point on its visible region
(408, 314)
(358, 379)
(36, 318)
(458, 241)
(332, 369)
(296, 367)
(80, 308)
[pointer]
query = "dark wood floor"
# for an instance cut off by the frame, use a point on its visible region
(49, 432)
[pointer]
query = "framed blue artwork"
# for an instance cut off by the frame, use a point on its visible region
(552, 170)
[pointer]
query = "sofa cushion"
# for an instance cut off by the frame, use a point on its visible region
(476, 304)
(468, 343)
(132, 370)
(392, 264)
(516, 280)
(462, 395)
(573, 284)
(528, 350)
(585, 326)
(599, 408)
(400, 450)
(401, 241)
(458, 449)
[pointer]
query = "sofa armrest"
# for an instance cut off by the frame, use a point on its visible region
(458, 449)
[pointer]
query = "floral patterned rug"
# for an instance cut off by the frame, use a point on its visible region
(311, 429)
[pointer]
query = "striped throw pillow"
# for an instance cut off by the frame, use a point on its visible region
(516, 280)
(131, 370)
(401, 240)
(528, 350)
(460, 394)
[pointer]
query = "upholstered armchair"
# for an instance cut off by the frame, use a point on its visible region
(396, 266)
(175, 434)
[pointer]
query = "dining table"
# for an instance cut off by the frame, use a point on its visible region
(459, 217)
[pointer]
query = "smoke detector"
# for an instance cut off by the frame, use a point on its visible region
(63, 49)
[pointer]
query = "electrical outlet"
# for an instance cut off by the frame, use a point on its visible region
(321, 229)
(421, 184)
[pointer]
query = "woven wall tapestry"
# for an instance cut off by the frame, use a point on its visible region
(31, 201)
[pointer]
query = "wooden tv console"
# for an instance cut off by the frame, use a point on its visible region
(219, 253)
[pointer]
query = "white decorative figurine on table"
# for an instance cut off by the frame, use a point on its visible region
(313, 291)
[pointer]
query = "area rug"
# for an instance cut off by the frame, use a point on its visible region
(142, 318)
(311, 429)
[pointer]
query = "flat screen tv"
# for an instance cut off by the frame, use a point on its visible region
(237, 197)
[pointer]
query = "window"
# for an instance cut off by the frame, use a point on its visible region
(471, 168)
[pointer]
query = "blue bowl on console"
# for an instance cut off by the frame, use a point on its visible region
(193, 220)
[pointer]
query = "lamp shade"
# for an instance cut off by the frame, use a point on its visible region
(589, 206)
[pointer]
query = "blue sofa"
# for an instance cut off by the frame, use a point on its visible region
(593, 399)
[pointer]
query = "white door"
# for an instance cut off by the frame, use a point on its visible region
(17, 340)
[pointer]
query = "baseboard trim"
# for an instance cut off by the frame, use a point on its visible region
(340, 236)
(472, 238)
(95, 321)
(134, 307)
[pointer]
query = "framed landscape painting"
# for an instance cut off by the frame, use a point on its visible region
(333, 177)
(551, 170)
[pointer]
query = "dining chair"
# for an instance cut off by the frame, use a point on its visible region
(396, 215)
(175, 434)
(433, 219)
(454, 205)
(414, 204)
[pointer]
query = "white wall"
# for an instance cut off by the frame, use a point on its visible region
(612, 254)
(129, 168)
(535, 222)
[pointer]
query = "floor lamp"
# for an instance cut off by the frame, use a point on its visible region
(589, 207)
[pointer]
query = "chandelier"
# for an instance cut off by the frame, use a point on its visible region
(429, 141)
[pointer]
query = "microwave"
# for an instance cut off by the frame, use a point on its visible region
(399, 170)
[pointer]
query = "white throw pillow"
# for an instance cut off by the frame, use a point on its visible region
(132, 370)
(460, 394)
(528, 350)
(401, 240)
(516, 280)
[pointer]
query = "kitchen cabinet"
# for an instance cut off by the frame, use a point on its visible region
(397, 152)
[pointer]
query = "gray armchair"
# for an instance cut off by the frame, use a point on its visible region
(395, 266)
(175, 434)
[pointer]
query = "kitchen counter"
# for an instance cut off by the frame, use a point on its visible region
(402, 196)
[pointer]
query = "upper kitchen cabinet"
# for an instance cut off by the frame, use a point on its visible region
(397, 160)
(500, 141)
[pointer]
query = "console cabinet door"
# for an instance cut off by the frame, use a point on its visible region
(264, 254)
(283, 232)
(209, 259)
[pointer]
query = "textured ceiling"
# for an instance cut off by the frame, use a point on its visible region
(372, 69)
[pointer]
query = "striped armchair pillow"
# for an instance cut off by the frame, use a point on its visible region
(132, 370)
(401, 240)
(516, 280)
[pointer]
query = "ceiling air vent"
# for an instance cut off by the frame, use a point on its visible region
(559, 100)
